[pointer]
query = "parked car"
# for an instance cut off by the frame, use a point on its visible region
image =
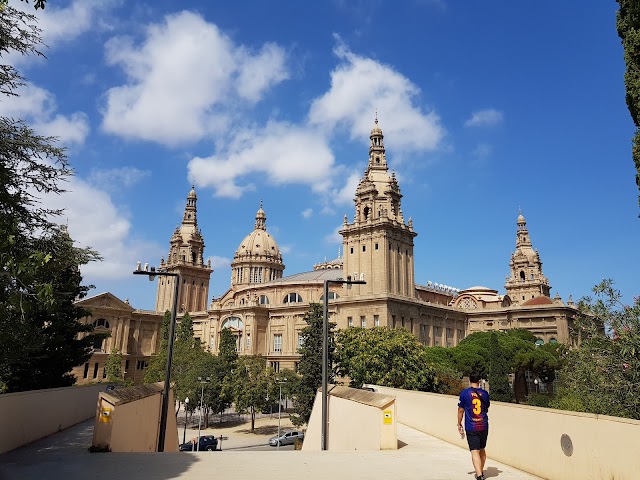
(288, 437)
(208, 443)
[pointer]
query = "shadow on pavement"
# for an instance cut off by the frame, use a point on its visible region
(492, 472)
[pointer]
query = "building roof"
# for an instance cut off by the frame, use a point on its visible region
(129, 394)
(538, 301)
(313, 276)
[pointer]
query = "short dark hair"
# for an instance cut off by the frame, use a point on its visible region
(475, 377)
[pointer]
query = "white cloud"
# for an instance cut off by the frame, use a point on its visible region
(185, 81)
(307, 213)
(335, 236)
(482, 151)
(38, 107)
(219, 262)
(361, 86)
(117, 178)
(279, 153)
(484, 118)
(67, 23)
(94, 221)
(344, 196)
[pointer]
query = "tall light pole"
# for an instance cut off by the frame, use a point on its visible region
(151, 273)
(202, 383)
(184, 435)
(279, 381)
(325, 350)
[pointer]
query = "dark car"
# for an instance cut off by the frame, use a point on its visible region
(207, 443)
(288, 437)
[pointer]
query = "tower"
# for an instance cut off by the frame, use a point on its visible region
(526, 280)
(186, 258)
(258, 258)
(378, 245)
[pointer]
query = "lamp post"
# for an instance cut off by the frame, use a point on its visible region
(151, 273)
(279, 381)
(325, 350)
(184, 435)
(202, 383)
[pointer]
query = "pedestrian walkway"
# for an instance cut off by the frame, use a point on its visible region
(65, 456)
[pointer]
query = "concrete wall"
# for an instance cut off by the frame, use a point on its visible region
(132, 425)
(532, 438)
(353, 425)
(29, 416)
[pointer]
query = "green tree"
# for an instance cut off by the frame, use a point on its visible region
(449, 379)
(498, 371)
(113, 367)
(382, 356)
(228, 349)
(250, 382)
(628, 26)
(310, 366)
(602, 375)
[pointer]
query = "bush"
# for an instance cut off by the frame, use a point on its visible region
(539, 400)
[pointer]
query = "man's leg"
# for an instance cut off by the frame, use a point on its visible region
(478, 463)
(483, 458)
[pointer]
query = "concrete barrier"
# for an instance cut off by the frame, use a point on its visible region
(551, 444)
(29, 416)
(358, 420)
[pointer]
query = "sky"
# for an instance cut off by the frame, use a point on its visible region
(486, 108)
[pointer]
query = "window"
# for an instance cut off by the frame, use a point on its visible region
(263, 300)
(363, 322)
(95, 370)
(104, 372)
(351, 250)
(364, 248)
(277, 342)
(350, 321)
(539, 342)
(332, 296)
(234, 323)
(97, 344)
(86, 370)
(248, 341)
(376, 246)
(196, 340)
(141, 365)
(292, 298)
(437, 336)
(376, 320)
(553, 340)
(460, 335)
(449, 337)
(126, 366)
(424, 336)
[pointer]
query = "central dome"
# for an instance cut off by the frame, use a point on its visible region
(258, 258)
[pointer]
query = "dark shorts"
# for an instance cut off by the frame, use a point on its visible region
(477, 440)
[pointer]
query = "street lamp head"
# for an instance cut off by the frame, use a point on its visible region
(186, 401)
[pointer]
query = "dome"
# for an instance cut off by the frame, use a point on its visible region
(521, 218)
(192, 193)
(259, 243)
(376, 130)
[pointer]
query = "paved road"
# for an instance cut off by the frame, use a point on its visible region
(65, 456)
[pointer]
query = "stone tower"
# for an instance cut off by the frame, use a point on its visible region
(378, 245)
(526, 280)
(258, 258)
(186, 257)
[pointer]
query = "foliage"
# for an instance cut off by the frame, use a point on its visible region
(39, 266)
(603, 375)
(228, 353)
(449, 380)
(498, 370)
(251, 381)
(310, 366)
(113, 367)
(387, 357)
(628, 26)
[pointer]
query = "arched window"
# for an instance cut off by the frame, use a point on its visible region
(539, 342)
(522, 277)
(234, 323)
(292, 298)
(263, 300)
(101, 323)
(553, 340)
(332, 296)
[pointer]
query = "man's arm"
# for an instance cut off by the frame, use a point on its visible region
(460, 415)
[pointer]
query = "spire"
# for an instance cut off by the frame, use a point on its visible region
(189, 217)
(377, 157)
(261, 219)
(522, 235)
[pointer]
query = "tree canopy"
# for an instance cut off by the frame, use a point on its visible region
(382, 356)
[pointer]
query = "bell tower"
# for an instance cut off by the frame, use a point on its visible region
(186, 249)
(526, 280)
(378, 245)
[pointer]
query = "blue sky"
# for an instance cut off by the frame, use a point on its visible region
(486, 107)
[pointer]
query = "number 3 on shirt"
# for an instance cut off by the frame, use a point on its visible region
(477, 406)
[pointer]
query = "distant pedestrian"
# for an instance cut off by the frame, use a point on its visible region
(473, 405)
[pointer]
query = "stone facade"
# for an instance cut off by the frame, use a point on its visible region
(265, 309)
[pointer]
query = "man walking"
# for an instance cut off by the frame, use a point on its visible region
(473, 405)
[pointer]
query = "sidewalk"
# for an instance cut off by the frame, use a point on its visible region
(64, 455)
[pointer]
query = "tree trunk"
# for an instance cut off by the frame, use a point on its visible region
(253, 419)
(520, 385)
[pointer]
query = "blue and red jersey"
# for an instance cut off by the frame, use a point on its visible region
(475, 402)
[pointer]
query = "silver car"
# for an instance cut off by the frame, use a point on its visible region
(287, 437)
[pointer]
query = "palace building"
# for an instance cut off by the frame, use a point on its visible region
(264, 308)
